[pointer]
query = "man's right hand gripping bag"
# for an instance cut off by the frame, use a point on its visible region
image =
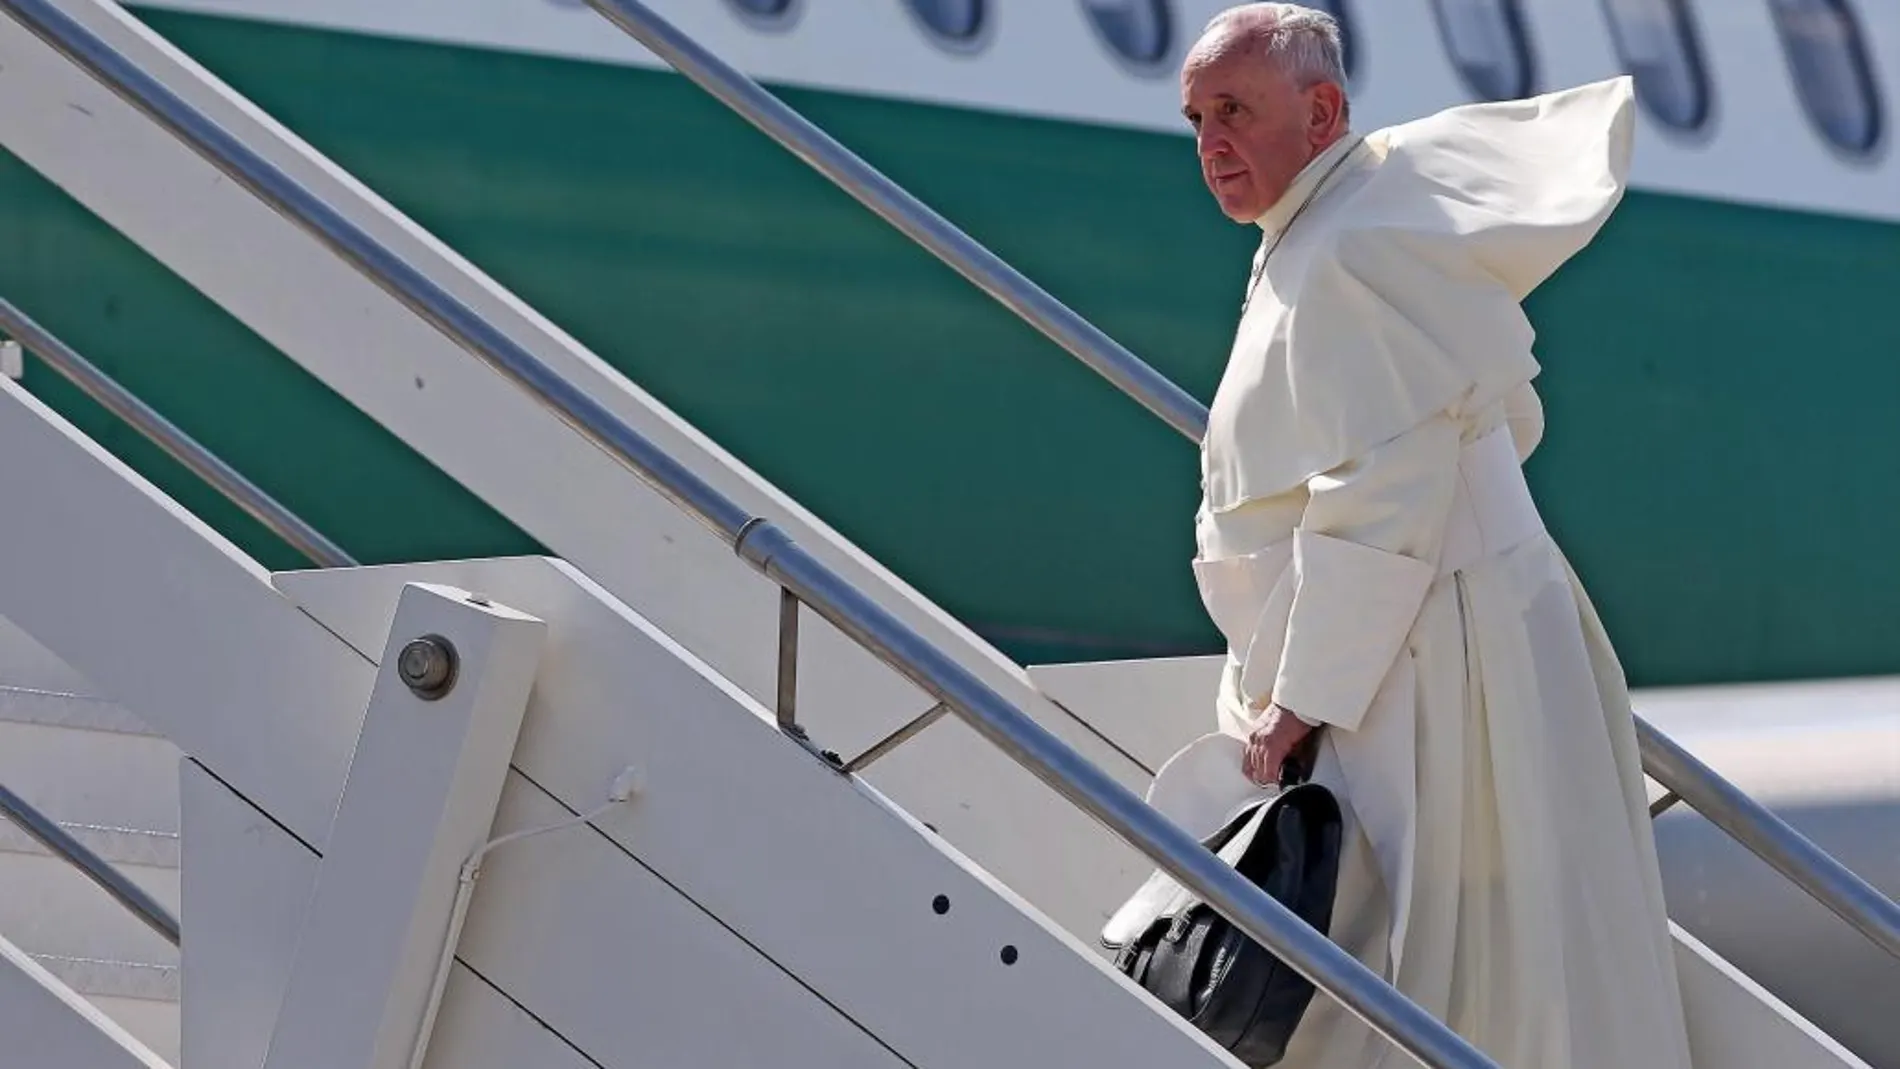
(1191, 958)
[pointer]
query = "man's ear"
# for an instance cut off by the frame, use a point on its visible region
(1326, 111)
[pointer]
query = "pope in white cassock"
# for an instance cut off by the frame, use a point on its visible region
(1369, 549)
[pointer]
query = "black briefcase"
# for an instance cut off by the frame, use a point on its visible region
(1202, 967)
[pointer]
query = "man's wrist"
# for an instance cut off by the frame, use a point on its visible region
(1269, 705)
(1289, 712)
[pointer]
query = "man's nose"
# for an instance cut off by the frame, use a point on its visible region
(1210, 143)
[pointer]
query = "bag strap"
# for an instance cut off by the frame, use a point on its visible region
(1175, 986)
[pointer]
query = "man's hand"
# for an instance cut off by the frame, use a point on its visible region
(1267, 748)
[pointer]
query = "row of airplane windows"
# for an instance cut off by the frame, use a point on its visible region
(1828, 60)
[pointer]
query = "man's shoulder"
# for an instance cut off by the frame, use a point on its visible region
(1382, 251)
(1504, 193)
(1381, 218)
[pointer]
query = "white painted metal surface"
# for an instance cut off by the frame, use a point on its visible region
(45, 1025)
(108, 781)
(1735, 1021)
(421, 794)
(814, 871)
(193, 623)
(813, 911)
(248, 883)
(90, 942)
(1148, 708)
(597, 515)
(626, 969)
(51, 910)
(1825, 756)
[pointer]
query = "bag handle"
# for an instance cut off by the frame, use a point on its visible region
(1300, 761)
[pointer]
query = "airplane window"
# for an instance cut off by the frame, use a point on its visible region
(1831, 69)
(1657, 41)
(763, 9)
(1487, 45)
(1337, 9)
(1138, 30)
(952, 20)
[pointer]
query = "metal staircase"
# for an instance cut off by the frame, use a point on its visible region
(562, 866)
(112, 784)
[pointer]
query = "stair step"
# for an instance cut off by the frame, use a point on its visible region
(142, 997)
(107, 978)
(107, 779)
(112, 783)
(119, 846)
(26, 663)
(67, 709)
(49, 907)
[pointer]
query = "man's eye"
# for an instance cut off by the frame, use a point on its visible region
(1229, 108)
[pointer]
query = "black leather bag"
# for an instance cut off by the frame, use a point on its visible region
(1202, 967)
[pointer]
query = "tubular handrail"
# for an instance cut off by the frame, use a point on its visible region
(1788, 851)
(769, 549)
(176, 444)
(95, 868)
(898, 207)
(1813, 870)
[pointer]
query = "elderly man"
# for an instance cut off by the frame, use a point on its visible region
(1369, 549)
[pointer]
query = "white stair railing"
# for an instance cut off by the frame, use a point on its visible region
(616, 939)
(775, 554)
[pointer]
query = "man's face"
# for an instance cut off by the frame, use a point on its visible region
(1254, 127)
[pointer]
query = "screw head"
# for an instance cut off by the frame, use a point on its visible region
(427, 666)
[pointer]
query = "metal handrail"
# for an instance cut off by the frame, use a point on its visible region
(91, 865)
(1790, 853)
(1831, 883)
(176, 444)
(186, 450)
(773, 552)
(916, 220)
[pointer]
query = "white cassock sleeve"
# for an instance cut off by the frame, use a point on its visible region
(1364, 554)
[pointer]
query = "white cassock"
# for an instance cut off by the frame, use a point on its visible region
(1369, 548)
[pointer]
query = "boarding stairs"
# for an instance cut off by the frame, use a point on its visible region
(112, 785)
(707, 786)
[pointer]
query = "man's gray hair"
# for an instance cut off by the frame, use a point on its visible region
(1303, 41)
